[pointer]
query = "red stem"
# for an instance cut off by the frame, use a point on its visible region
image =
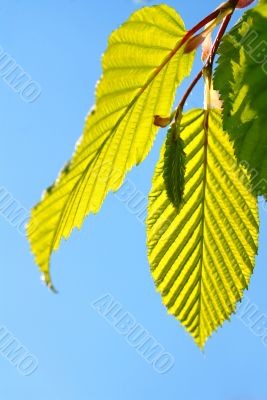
(210, 59)
(201, 24)
(189, 90)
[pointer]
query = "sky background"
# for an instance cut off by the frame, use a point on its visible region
(59, 43)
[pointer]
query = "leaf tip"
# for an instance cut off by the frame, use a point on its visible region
(46, 279)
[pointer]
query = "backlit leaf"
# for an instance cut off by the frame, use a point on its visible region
(142, 67)
(202, 256)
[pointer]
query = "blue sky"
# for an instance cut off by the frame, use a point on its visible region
(80, 355)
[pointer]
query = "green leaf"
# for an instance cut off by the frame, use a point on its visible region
(174, 166)
(202, 256)
(241, 78)
(142, 67)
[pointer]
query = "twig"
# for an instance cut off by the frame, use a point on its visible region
(210, 60)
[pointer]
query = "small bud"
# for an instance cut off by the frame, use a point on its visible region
(161, 121)
(195, 42)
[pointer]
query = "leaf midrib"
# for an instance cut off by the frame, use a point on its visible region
(205, 165)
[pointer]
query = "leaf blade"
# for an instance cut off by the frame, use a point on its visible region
(240, 78)
(202, 256)
(174, 166)
(143, 55)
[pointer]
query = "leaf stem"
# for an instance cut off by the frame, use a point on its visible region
(186, 95)
(210, 59)
(225, 6)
